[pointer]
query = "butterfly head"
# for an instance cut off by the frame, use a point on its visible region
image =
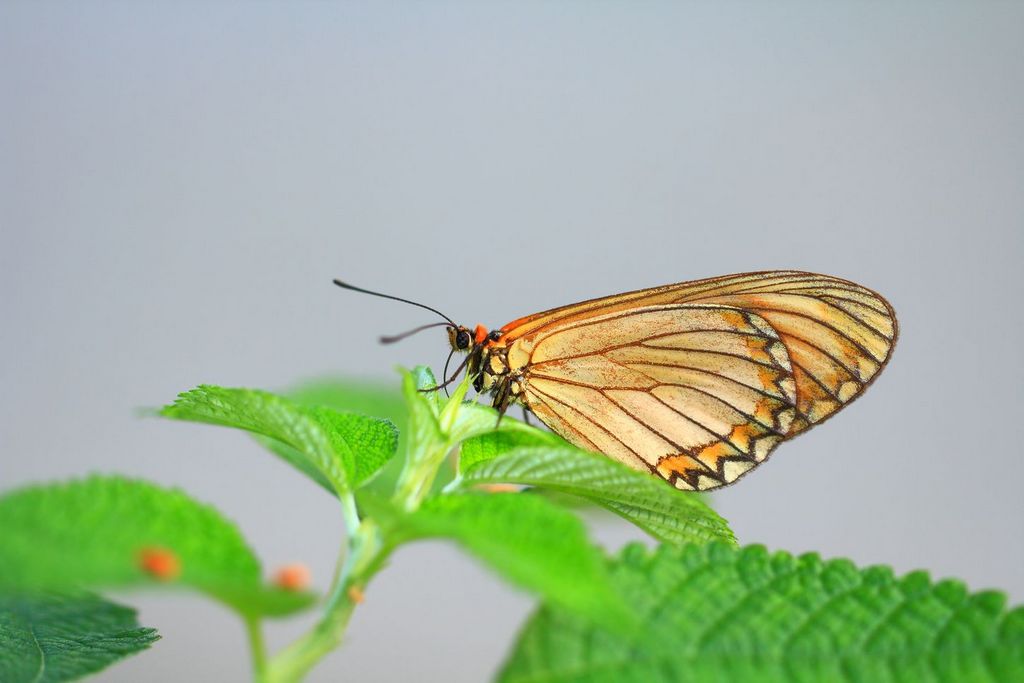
(462, 338)
(474, 342)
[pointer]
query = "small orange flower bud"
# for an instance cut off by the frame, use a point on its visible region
(499, 488)
(160, 563)
(293, 577)
(356, 595)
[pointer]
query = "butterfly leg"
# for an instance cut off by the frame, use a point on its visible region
(502, 397)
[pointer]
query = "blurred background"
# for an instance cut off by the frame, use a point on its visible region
(179, 182)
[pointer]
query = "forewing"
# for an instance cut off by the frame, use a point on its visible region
(698, 394)
(838, 335)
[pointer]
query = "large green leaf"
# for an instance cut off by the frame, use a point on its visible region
(715, 613)
(368, 397)
(49, 638)
(526, 539)
(337, 450)
(377, 398)
(484, 447)
(539, 459)
(97, 532)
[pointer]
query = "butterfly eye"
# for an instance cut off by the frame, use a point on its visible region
(462, 339)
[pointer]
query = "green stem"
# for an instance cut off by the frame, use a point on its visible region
(417, 478)
(257, 647)
(428, 449)
(367, 549)
(350, 514)
(366, 555)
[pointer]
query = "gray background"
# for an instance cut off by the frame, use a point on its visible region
(180, 183)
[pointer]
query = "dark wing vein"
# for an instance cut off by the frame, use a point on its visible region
(738, 411)
(821, 384)
(723, 438)
(645, 340)
(824, 324)
(854, 316)
(647, 426)
(838, 363)
(828, 285)
(636, 366)
(584, 416)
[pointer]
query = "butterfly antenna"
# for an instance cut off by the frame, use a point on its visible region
(399, 337)
(445, 372)
(345, 285)
(455, 375)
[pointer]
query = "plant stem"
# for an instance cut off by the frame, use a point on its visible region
(257, 647)
(417, 478)
(350, 514)
(365, 556)
(428, 448)
(428, 444)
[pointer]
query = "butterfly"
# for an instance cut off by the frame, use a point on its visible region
(696, 382)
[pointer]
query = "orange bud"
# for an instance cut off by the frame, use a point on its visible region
(293, 577)
(160, 563)
(499, 488)
(356, 595)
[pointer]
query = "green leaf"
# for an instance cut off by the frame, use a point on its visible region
(424, 380)
(526, 539)
(337, 450)
(369, 442)
(457, 419)
(375, 398)
(102, 531)
(267, 600)
(475, 420)
(423, 409)
(437, 427)
(380, 399)
(428, 442)
(487, 446)
(548, 462)
(715, 613)
(47, 638)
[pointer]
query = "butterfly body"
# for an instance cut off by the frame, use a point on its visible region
(695, 382)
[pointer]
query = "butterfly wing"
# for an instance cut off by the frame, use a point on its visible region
(699, 381)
